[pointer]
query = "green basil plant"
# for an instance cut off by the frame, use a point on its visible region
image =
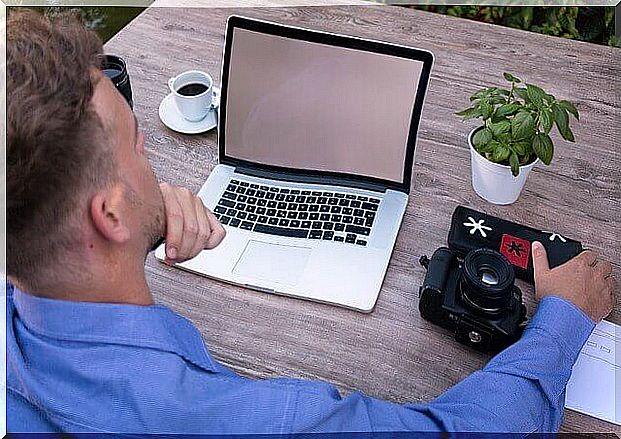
(517, 123)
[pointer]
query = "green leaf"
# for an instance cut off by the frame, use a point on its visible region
(521, 92)
(535, 94)
(543, 147)
(522, 147)
(470, 113)
(562, 123)
(523, 125)
(501, 153)
(509, 77)
(545, 117)
(507, 110)
(569, 107)
(481, 137)
(486, 110)
(515, 164)
(500, 129)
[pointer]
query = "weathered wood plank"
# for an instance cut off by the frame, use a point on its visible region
(391, 353)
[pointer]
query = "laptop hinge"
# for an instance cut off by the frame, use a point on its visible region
(313, 179)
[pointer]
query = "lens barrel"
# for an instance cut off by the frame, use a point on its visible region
(114, 68)
(487, 281)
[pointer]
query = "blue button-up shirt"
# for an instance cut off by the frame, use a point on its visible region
(83, 367)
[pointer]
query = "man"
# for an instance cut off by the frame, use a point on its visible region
(87, 350)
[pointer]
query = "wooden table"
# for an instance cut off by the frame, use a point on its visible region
(391, 353)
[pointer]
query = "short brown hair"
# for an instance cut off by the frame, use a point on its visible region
(56, 143)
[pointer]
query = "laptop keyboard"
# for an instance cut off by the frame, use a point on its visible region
(330, 216)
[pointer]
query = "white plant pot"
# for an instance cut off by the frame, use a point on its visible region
(493, 182)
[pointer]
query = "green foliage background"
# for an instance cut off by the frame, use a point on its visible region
(585, 23)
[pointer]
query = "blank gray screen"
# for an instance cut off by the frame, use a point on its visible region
(311, 106)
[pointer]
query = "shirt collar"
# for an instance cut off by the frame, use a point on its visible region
(154, 327)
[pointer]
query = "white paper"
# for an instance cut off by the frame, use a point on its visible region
(595, 384)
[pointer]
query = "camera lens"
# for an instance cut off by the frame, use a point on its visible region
(114, 68)
(487, 281)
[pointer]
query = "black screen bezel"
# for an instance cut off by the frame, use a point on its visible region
(327, 177)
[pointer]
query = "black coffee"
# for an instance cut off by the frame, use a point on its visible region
(192, 89)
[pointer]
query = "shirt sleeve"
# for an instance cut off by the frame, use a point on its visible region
(522, 389)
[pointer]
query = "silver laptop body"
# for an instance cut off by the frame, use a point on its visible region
(316, 144)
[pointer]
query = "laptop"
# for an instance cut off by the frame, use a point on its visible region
(316, 142)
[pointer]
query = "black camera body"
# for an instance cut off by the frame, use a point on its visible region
(475, 297)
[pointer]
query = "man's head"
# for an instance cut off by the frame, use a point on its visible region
(80, 191)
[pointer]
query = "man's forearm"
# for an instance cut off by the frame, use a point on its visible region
(523, 388)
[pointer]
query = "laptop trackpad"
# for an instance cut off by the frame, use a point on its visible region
(279, 263)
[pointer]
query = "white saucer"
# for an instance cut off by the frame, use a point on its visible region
(172, 118)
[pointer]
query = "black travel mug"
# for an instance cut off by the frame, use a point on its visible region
(114, 68)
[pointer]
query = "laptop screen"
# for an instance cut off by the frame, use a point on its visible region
(312, 106)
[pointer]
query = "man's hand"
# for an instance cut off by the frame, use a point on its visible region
(190, 226)
(585, 280)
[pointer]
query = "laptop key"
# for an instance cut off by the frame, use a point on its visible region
(369, 206)
(280, 197)
(344, 202)
(350, 197)
(231, 212)
(251, 192)
(234, 222)
(225, 220)
(240, 190)
(358, 230)
(244, 183)
(262, 219)
(235, 181)
(302, 207)
(294, 223)
(295, 191)
(324, 208)
(272, 204)
(315, 234)
(306, 224)
(280, 231)
(339, 195)
(246, 225)
(262, 202)
(283, 222)
(242, 198)
(281, 214)
(374, 200)
(358, 212)
(316, 193)
(271, 212)
(306, 192)
(242, 215)
(302, 215)
(355, 204)
(363, 198)
(361, 242)
(260, 194)
(292, 215)
(311, 200)
(250, 208)
(368, 222)
(227, 203)
(254, 186)
(336, 218)
(358, 221)
(229, 195)
(261, 210)
(324, 217)
(350, 238)
(369, 215)
(282, 205)
(273, 221)
(284, 191)
(220, 209)
(264, 188)
(328, 194)
(328, 235)
(290, 198)
(316, 225)
(300, 199)
(335, 209)
(292, 206)
(339, 239)
(322, 200)
(348, 219)
(252, 217)
(314, 216)
(328, 226)
(252, 200)
(333, 201)
(348, 211)
(270, 196)
(313, 208)
(240, 206)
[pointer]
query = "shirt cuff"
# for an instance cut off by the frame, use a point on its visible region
(565, 322)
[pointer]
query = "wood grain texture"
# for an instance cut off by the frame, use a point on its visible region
(391, 353)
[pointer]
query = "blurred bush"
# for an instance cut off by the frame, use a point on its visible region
(585, 23)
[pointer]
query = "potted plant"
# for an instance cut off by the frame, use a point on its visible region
(515, 135)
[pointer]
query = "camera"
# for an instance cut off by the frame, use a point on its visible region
(475, 297)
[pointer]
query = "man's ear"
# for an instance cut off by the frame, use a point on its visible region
(107, 213)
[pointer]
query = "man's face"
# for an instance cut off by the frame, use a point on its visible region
(145, 206)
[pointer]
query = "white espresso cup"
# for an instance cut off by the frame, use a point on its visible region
(193, 92)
